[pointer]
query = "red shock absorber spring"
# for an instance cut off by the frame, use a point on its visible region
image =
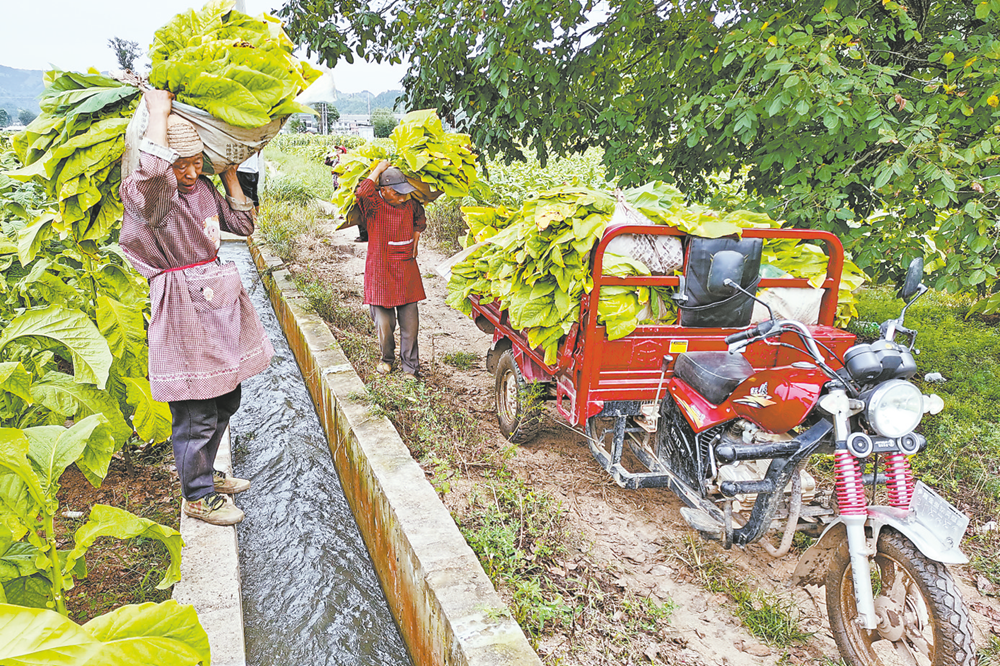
(850, 487)
(899, 480)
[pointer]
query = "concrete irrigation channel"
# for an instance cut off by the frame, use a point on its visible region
(346, 556)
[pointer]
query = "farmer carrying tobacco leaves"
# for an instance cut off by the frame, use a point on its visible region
(204, 336)
(392, 279)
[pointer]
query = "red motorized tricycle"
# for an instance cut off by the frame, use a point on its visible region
(727, 414)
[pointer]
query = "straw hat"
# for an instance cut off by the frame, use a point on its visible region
(182, 137)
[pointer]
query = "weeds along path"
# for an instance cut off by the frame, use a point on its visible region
(593, 573)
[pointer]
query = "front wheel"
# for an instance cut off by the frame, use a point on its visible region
(922, 620)
(519, 404)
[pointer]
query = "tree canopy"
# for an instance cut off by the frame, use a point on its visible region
(383, 122)
(878, 120)
(125, 52)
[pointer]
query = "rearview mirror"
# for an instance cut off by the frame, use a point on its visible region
(914, 275)
(726, 265)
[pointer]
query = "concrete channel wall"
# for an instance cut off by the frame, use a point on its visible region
(445, 605)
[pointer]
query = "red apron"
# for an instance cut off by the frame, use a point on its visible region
(392, 276)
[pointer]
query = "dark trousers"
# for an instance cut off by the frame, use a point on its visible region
(198, 426)
(385, 327)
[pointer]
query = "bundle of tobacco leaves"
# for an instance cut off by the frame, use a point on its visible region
(73, 149)
(536, 261)
(441, 161)
(236, 67)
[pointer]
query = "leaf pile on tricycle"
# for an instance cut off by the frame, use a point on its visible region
(726, 397)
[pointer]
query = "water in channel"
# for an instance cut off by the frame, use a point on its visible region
(310, 594)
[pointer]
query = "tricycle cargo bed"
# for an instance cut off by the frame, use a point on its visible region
(591, 370)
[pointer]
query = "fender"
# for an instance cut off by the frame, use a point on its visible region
(815, 562)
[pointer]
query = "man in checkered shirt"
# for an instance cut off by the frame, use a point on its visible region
(204, 335)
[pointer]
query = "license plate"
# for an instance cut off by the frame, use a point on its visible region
(938, 515)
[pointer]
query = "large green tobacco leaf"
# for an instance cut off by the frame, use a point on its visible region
(122, 326)
(152, 419)
(165, 633)
(168, 621)
(53, 448)
(90, 352)
(17, 506)
(14, 448)
(32, 591)
(17, 558)
(58, 392)
(31, 238)
(109, 521)
(15, 380)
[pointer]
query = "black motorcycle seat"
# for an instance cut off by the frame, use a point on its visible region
(715, 375)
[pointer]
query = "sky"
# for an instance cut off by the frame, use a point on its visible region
(73, 35)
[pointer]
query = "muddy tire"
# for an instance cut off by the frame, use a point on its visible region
(918, 595)
(519, 405)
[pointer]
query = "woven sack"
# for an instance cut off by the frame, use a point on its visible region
(225, 145)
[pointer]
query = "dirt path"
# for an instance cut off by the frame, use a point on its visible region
(636, 537)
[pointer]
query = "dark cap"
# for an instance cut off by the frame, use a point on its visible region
(394, 178)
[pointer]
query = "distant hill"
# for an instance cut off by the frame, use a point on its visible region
(19, 89)
(350, 104)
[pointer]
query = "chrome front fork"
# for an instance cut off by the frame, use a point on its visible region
(853, 505)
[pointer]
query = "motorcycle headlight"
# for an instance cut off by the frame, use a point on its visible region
(895, 408)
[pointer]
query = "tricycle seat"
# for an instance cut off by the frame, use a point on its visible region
(713, 374)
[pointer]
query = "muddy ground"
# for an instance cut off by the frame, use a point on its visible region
(637, 539)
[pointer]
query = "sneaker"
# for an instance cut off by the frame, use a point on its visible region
(383, 368)
(410, 376)
(361, 239)
(215, 509)
(229, 485)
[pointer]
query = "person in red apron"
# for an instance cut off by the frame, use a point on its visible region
(204, 335)
(392, 279)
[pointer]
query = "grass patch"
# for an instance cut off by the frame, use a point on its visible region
(291, 174)
(462, 360)
(329, 303)
(281, 223)
(989, 655)
(768, 616)
(962, 458)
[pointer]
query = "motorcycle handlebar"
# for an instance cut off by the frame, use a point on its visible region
(741, 336)
(757, 331)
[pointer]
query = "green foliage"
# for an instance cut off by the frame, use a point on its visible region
(4, 121)
(509, 184)
(989, 655)
(73, 347)
(878, 120)
(125, 51)
(383, 122)
(281, 223)
(238, 68)
(129, 636)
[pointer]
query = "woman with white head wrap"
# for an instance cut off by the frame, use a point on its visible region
(204, 336)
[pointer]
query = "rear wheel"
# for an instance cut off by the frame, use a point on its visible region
(922, 620)
(519, 404)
